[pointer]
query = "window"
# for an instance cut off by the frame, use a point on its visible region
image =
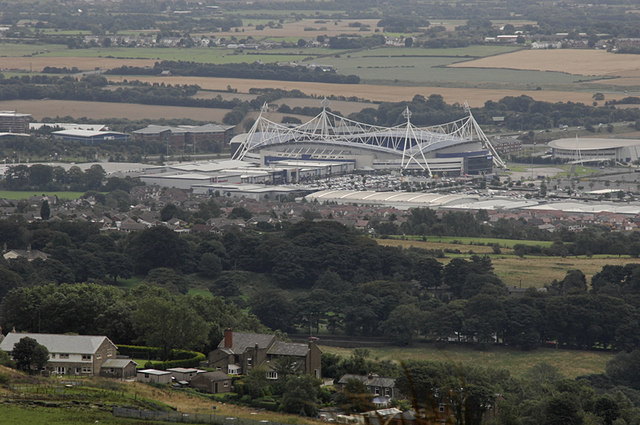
(98, 356)
(86, 370)
(226, 383)
(249, 360)
(109, 353)
(146, 375)
(53, 355)
(272, 375)
(86, 357)
(441, 408)
(377, 391)
(64, 355)
(387, 391)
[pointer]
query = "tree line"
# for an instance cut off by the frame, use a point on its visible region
(262, 71)
(520, 113)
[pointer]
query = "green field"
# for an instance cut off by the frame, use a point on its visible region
(13, 49)
(30, 415)
(529, 271)
(18, 195)
(429, 67)
(571, 363)
(462, 240)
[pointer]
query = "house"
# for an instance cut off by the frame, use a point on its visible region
(184, 374)
(153, 376)
(28, 254)
(239, 352)
(69, 354)
(212, 382)
(118, 368)
(383, 389)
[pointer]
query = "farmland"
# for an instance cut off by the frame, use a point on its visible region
(385, 93)
(576, 62)
(570, 363)
(530, 271)
(102, 110)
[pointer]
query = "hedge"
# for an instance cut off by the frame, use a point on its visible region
(177, 358)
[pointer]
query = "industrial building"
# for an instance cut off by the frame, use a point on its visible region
(14, 122)
(187, 137)
(187, 176)
(90, 136)
(586, 149)
(456, 148)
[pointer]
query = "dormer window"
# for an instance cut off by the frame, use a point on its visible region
(64, 355)
(86, 357)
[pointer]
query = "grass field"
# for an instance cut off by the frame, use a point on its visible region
(374, 92)
(18, 195)
(571, 363)
(572, 61)
(530, 271)
(472, 241)
(102, 110)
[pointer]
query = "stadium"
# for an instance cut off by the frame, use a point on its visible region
(595, 149)
(456, 148)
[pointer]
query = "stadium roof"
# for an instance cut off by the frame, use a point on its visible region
(588, 143)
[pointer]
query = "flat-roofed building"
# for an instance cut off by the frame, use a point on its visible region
(594, 149)
(14, 122)
(90, 136)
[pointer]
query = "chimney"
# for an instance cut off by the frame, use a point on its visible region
(228, 338)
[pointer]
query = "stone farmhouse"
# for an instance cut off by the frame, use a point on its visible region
(240, 352)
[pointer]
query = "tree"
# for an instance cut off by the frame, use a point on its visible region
(355, 397)
(210, 265)
(169, 323)
(408, 42)
(45, 211)
(403, 322)
(301, 395)
(29, 355)
(156, 247)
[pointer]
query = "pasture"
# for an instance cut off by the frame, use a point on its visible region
(571, 363)
(373, 92)
(432, 67)
(102, 110)
(572, 61)
(530, 271)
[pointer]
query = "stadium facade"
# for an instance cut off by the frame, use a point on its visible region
(455, 148)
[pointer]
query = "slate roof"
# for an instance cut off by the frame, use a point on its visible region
(72, 344)
(369, 380)
(280, 348)
(242, 341)
(213, 376)
(117, 363)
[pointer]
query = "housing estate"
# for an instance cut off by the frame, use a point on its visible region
(75, 354)
(240, 352)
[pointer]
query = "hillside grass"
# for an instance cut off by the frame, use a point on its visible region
(571, 363)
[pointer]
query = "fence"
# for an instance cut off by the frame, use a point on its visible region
(186, 417)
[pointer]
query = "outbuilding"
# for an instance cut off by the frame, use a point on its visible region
(118, 368)
(212, 382)
(153, 376)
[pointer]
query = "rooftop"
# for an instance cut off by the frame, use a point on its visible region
(588, 143)
(56, 343)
